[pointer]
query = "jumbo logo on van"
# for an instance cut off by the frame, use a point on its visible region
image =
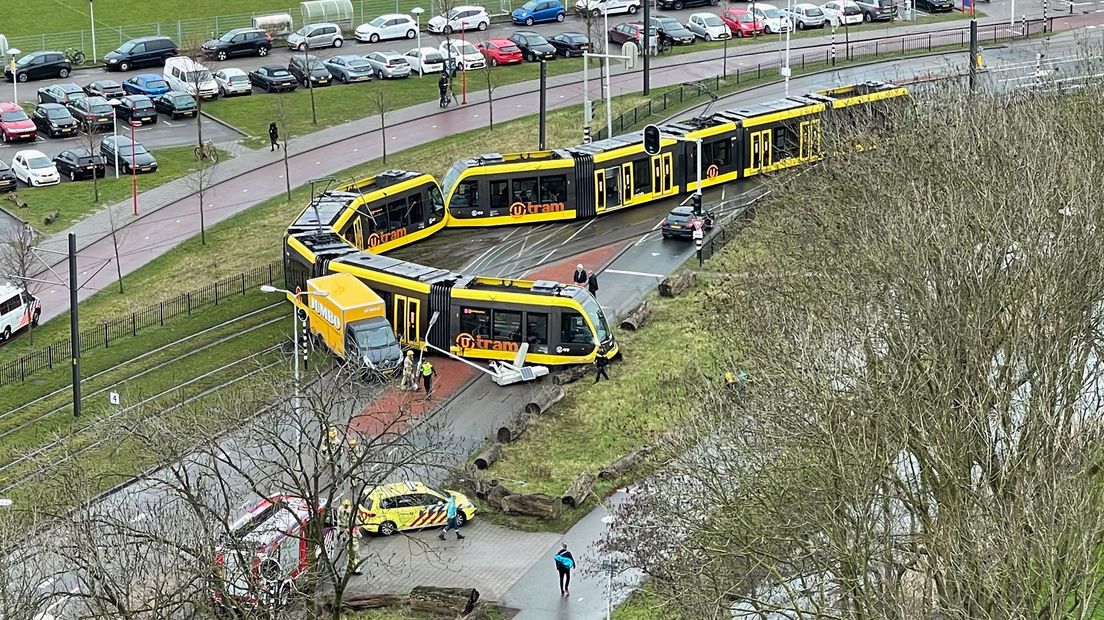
(327, 315)
(467, 341)
(519, 209)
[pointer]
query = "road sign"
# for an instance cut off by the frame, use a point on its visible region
(113, 397)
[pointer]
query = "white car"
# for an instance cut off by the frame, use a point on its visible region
(233, 82)
(391, 26)
(805, 15)
(773, 20)
(708, 26)
(425, 60)
(842, 12)
(460, 18)
(607, 7)
(388, 65)
(35, 169)
(463, 53)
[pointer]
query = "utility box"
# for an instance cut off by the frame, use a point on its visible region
(277, 25)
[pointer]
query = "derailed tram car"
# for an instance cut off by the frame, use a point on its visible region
(612, 174)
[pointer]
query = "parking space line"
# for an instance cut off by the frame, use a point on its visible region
(635, 273)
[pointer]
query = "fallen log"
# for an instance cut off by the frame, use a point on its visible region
(544, 399)
(623, 465)
(577, 493)
(674, 285)
(18, 200)
(512, 430)
(487, 457)
(360, 602)
(571, 374)
(497, 494)
(534, 505)
(443, 601)
(484, 611)
(51, 217)
(638, 317)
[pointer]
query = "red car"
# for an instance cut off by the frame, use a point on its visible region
(742, 23)
(500, 52)
(15, 124)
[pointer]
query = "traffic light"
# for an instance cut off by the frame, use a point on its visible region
(651, 140)
(695, 203)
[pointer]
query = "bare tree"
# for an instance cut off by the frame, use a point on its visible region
(282, 122)
(113, 220)
(91, 139)
(382, 106)
(490, 79)
(19, 261)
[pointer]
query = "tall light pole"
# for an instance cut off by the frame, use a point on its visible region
(417, 11)
(13, 52)
(785, 70)
(92, 22)
(609, 107)
(310, 84)
(463, 66)
(134, 167)
(114, 132)
(266, 288)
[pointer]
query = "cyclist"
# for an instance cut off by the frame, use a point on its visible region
(443, 86)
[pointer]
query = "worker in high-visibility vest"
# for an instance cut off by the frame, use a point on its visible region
(427, 376)
(347, 529)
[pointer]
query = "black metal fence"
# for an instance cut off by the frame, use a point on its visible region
(155, 315)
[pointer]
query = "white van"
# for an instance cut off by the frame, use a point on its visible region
(182, 74)
(18, 309)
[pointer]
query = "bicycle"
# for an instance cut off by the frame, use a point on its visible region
(207, 151)
(75, 56)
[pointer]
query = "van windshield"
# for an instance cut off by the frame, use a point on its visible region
(376, 336)
(125, 47)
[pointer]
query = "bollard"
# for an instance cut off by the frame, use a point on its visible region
(1024, 18)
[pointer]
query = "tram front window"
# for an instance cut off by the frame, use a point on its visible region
(594, 311)
(437, 201)
(451, 177)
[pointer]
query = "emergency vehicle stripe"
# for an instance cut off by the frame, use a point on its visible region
(442, 516)
(418, 521)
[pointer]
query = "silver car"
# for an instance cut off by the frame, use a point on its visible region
(388, 65)
(314, 36)
(350, 68)
(233, 82)
(805, 15)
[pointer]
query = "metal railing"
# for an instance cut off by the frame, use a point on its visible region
(104, 333)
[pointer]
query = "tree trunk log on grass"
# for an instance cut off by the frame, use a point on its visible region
(623, 465)
(572, 374)
(360, 602)
(496, 493)
(638, 317)
(577, 493)
(544, 399)
(535, 505)
(673, 286)
(488, 456)
(512, 430)
(443, 601)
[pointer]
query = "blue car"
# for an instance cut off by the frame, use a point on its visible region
(148, 84)
(536, 11)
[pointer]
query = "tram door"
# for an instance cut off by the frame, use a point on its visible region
(627, 182)
(760, 152)
(810, 139)
(408, 319)
(663, 174)
(607, 188)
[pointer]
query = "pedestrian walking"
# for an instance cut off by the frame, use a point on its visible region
(273, 137)
(450, 513)
(592, 283)
(409, 379)
(350, 534)
(443, 87)
(600, 365)
(564, 564)
(580, 277)
(427, 377)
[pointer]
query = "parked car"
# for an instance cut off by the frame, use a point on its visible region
(500, 52)
(15, 124)
(463, 54)
(176, 104)
(570, 44)
(315, 36)
(805, 15)
(60, 93)
(8, 181)
(681, 221)
(309, 70)
(425, 60)
(741, 23)
(92, 113)
(136, 108)
(533, 46)
(141, 52)
(132, 156)
(54, 120)
(273, 78)
(79, 163)
(39, 65)
(935, 6)
(148, 84)
(350, 68)
(607, 7)
(459, 19)
(388, 65)
(233, 81)
(536, 11)
(239, 42)
(390, 26)
(708, 26)
(186, 75)
(678, 5)
(877, 10)
(842, 13)
(773, 19)
(671, 30)
(628, 33)
(108, 89)
(35, 169)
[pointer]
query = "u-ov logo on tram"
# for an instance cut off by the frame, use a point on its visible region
(465, 341)
(712, 171)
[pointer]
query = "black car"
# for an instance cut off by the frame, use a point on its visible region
(273, 78)
(136, 108)
(7, 178)
(79, 163)
(39, 65)
(176, 104)
(108, 89)
(672, 31)
(310, 71)
(141, 52)
(54, 119)
(60, 93)
(533, 46)
(935, 6)
(624, 33)
(679, 4)
(131, 158)
(239, 42)
(681, 221)
(570, 44)
(93, 113)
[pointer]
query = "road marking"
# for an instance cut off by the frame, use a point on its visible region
(642, 239)
(245, 190)
(167, 123)
(573, 235)
(355, 150)
(635, 273)
(146, 239)
(177, 221)
(317, 163)
(545, 259)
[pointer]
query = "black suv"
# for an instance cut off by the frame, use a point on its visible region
(533, 46)
(679, 4)
(38, 65)
(140, 52)
(136, 109)
(310, 71)
(877, 10)
(239, 42)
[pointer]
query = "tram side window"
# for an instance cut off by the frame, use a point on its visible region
(507, 325)
(437, 201)
(467, 194)
(396, 211)
(500, 194)
(642, 176)
(475, 321)
(613, 182)
(553, 189)
(525, 190)
(536, 328)
(413, 210)
(573, 329)
(786, 143)
(720, 153)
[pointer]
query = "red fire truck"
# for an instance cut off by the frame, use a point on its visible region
(264, 558)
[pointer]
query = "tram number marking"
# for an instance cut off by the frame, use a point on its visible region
(467, 341)
(712, 171)
(519, 209)
(377, 238)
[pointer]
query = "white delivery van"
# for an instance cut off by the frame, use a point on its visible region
(183, 74)
(18, 309)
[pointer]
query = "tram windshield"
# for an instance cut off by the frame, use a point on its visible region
(452, 176)
(594, 311)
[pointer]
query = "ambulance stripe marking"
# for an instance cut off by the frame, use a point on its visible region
(422, 516)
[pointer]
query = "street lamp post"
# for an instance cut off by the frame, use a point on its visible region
(417, 11)
(463, 66)
(13, 52)
(92, 22)
(114, 133)
(133, 168)
(267, 288)
(786, 68)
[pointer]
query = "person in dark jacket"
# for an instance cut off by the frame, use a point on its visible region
(592, 283)
(600, 365)
(443, 87)
(273, 137)
(580, 276)
(564, 564)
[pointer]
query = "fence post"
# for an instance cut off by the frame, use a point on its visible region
(737, 75)
(929, 41)
(161, 313)
(133, 324)
(270, 273)
(189, 297)
(758, 70)
(217, 32)
(216, 292)
(105, 334)
(49, 357)
(243, 282)
(875, 49)
(802, 61)
(23, 368)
